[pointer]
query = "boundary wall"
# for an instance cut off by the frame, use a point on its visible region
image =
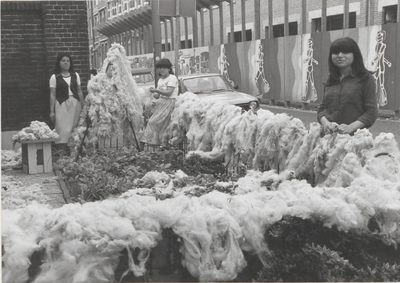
(33, 33)
(293, 68)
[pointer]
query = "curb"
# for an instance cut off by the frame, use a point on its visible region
(63, 186)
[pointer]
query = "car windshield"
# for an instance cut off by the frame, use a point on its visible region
(207, 84)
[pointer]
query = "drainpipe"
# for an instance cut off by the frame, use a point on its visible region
(93, 37)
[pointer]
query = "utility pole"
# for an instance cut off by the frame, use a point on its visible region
(156, 35)
(177, 37)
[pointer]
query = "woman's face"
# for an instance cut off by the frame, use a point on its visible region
(164, 71)
(342, 60)
(65, 63)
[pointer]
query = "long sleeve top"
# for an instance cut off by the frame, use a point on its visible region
(349, 100)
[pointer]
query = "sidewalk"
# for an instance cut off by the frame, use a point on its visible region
(48, 182)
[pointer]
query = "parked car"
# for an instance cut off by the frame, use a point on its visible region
(216, 86)
(143, 76)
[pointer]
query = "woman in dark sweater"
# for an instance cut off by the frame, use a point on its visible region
(349, 102)
(66, 98)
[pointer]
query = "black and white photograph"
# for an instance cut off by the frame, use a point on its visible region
(200, 141)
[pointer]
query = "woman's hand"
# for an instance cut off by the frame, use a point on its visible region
(52, 117)
(345, 129)
(349, 129)
(330, 127)
(155, 92)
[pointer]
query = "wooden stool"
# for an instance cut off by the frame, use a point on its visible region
(37, 156)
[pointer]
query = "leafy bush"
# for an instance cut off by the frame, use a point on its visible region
(112, 172)
(303, 250)
(194, 165)
(108, 173)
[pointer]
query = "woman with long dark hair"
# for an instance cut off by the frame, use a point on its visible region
(66, 98)
(349, 102)
(166, 91)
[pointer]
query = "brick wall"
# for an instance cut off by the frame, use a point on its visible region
(32, 34)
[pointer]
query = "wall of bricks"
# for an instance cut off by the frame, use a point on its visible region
(32, 35)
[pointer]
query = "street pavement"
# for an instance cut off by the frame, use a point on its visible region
(309, 116)
(48, 182)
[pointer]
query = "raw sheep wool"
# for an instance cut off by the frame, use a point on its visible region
(350, 179)
(11, 158)
(113, 106)
(36, 131)
(81, 242)
(201, 121)
(215, 228)
(265, 141)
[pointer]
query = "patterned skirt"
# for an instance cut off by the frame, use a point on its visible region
(67, 118)
(159, 121)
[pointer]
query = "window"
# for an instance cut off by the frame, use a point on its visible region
(238, 36)
(316, 25)
(334, 22)
(163, 47)
(278, 30)
(105, 11)
(390, 14)
(96, 20)
(183, 46)
(113, 9)
(101, 14)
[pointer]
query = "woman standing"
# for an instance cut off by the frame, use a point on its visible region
(166, 91)
(65, 98)
(349, 101)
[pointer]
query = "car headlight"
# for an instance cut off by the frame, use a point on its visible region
(253, 105)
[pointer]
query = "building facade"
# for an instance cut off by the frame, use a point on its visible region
(216, 22)
(260, 43)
